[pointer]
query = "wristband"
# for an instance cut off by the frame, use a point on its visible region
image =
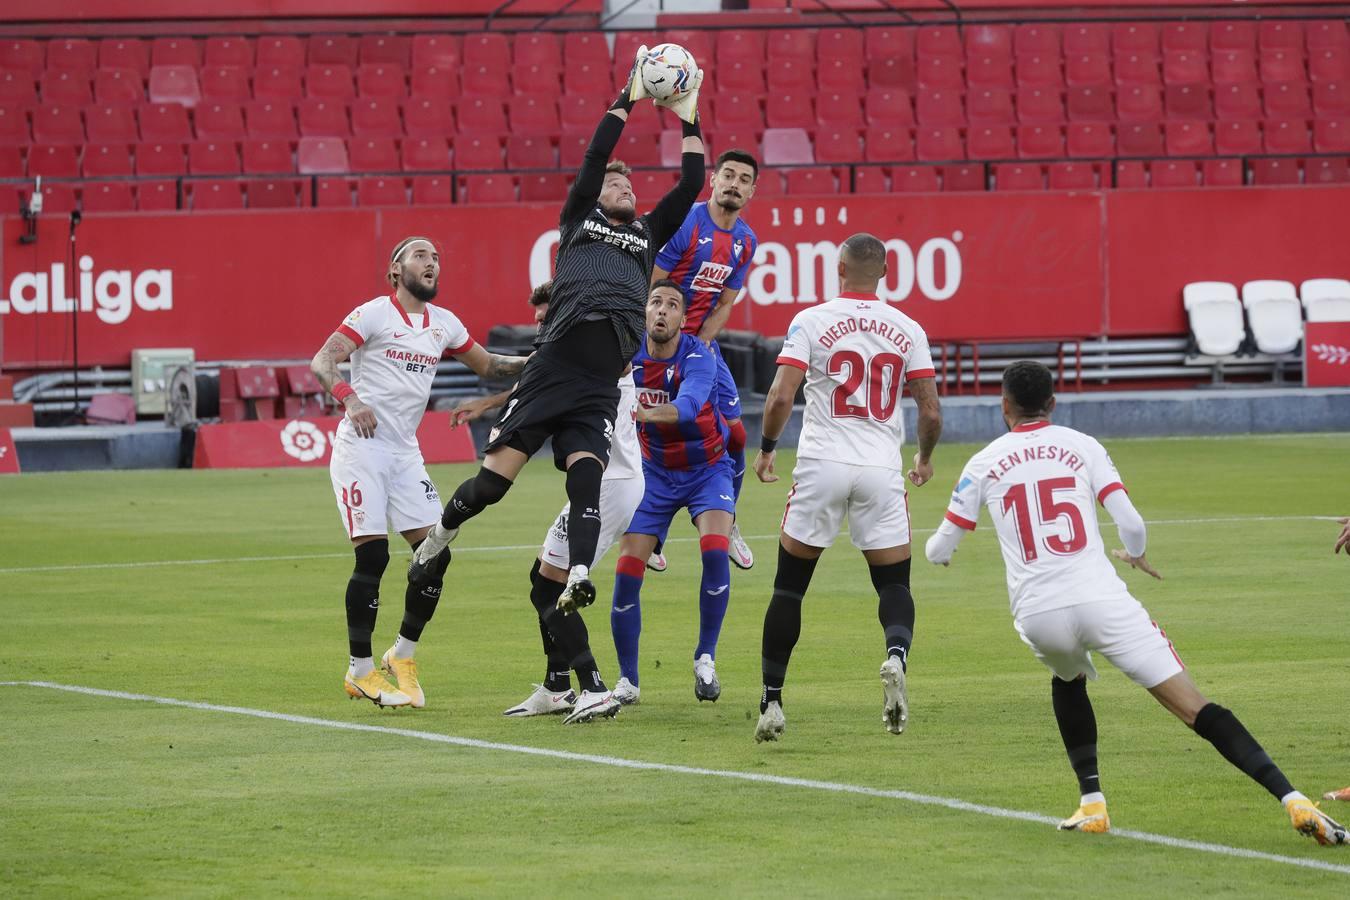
(767, 445)
(690, 129)
(342, 390)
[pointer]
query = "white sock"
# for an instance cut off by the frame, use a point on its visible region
(404, 648)
(361, 666)
(1094, 797)
(1292, 795)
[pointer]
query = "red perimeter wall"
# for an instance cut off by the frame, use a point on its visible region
(1012, 266)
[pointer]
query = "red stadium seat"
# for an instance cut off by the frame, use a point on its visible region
(650, 186)
(108, 197)
(889, 107)
(156, 195)
(940, 72)
(72, 55)
(990, 142)
(332, 50)
(432, 190)
(537, 48)
(14, 127)
(66, 86)
(736, 112)
(333, 193)
(1174, 173)
(57, 125)
(216, 195)
(1237, 101)
(742, 77)
(1287, 100)
(1237, 138)
(373, 155)
(838, 145)
(109, 125)
(939, 144)
(812, 180)
(59, 198)
(534, 116)
(277, 83)
(787, 147)
(1234, 34)
(1221, 173)
(487, 189)
(376, 118)
(220, 122)
(17, 89)
(23, 55)
(166, 51)
(1187, 67)
(388, 50)
(1134, 37)
(228, 51)
(1282, 65)
(484, 81)
(1333, 170)
(382, 192)
(1330, 99)
(914, 179)
(106, 160)
(1187, 101)
(1189, 139)
(989, 72)
(1038, 106)
(1140, 140)
(1234, 67)
(939, 107)
(1040, 142)
(1039, 72)
(888, 144)
(870, 180)
(284, 51)
(796, 45)
(1138, 103)
(1089, 140)
(891, 72)
(588, 47)
(841, 110)
(213, 158)
(1189, 37)
(478, 152)
(321, 156)
(1280, 34)
(1067, 176)
(1087, 38)
(159, 158)
(269, 119)
(1018, 177)
(323, 118)
(989, 40)
(540, 81)
(939, 41)
(790, 111)
(274, 193)
(1275, 171)
(964, 178)
(837, 75)
(992, 106)
(174, 84)
(329, 82)
(1090, 104)
(435, 83)
(1038, 39)
(638, 150)
(1132, 69)
(1330, 64)
(1087, 70)
(270, 157)
(487, 49)
(426, 155)
(530, 153)
(1331, 135)
(444, 51)
(1287, 136)
(736, 45)
(428, 117)
(1328, 33)
(884, 43)
(481, 115)
(381, 81)
(118, 87)
(586, 78)
(1131, 174)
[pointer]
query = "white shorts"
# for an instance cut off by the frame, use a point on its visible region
(824, 492)
(377, 490)
(1119, 629)
(619, 499)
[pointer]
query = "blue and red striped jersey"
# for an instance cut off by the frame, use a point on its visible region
(703, 259)
(689, 381)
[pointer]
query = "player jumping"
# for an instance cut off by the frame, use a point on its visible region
(1039, 483)
(568, 391)
(395, 343)
(854, 353)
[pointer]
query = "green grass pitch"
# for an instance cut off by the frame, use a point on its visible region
(226, 588)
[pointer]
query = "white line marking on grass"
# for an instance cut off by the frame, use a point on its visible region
(503, 548)
(759, 778)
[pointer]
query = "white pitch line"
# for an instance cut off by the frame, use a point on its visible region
(731, 775)
(155, 563)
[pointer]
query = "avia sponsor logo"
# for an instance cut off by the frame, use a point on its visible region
(111, 293)
(650, 397)
(710, 277)
(809, 272)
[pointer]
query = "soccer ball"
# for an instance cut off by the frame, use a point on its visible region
(668, 71)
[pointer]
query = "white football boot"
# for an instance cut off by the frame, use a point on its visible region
(593, 705)
(895, 714)
(626, 692)
(706, 685)
(772, 723)
(544, 702)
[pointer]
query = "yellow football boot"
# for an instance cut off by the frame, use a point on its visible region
(376, 689)
(1090, 817)
(1310, 821)
(404, 671)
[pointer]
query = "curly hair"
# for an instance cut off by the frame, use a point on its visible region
(1030, 386)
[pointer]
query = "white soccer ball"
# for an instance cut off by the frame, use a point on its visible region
(668, 71)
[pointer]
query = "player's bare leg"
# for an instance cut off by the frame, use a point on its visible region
(625, 614)
(494, 479)
(584, 474)
(782, 628)
(889, 568)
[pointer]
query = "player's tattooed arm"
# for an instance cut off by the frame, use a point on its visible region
(924, 392)
(491, 365)
(324, 365)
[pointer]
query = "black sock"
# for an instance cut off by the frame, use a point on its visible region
(363, 595)
(419, 600)
(783, 622)
(572, 640)
(583, 520)
(557, 678)
(895, 608)
(474, 496)
(1222, 729)
(660, 545)
(1078, 729)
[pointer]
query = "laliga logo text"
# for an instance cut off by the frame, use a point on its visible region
(110, 293)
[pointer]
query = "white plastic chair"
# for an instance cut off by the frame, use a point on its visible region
(1215, 316)
(1275, 315)
(1326, 299)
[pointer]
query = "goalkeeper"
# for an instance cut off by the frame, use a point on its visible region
(569, 389)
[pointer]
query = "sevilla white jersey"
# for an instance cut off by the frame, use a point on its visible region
(856, 351)
(394, 363)
(1041, 483)
(625, 451)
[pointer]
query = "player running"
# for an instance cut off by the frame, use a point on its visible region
(684, 464)
(1039, 483)
(566, 640)
(395, 343)
(568, 391)
(709, 258)
(854, 353)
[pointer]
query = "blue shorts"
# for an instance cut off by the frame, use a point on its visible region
(728, 398)
(700, 489)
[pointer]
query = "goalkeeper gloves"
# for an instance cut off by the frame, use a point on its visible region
(685, 105)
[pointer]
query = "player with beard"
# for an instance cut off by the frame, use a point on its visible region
(709, 258)
(569, 390)
(394, 343)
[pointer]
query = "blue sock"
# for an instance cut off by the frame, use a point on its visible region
(625, 615)
(713, 593)
(738, 473)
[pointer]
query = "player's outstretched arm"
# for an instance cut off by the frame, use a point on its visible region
(943, 543)
(585, 191)
(777, 411)
(669, 213)
(491, 365)
(1133, 533)
(717, 319)
(475, 408)
(339, 348)
(924, 392)
(1344, 539)
(696, 386)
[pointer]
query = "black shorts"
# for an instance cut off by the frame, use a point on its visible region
(555, 400)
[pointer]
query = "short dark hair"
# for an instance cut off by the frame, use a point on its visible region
(618, 167)
(864, 255)
(668, 283)
(542, 294)
(739, 156)
(1030, 386)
